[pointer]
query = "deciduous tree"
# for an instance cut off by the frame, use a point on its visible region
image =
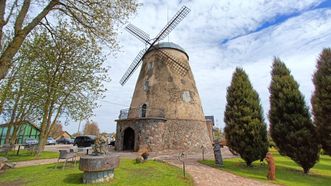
(67, 76)
(57, 130)
(217, 133)
(95, 19)
(19, 99)
(91, 128)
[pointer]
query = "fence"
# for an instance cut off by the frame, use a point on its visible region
(141, 113)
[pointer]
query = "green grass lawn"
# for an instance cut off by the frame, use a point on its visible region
(129, 173)
(287, 171)
(24, 155)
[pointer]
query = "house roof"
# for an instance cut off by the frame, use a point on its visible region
(210, 118)
(64, 132)
(24, 121)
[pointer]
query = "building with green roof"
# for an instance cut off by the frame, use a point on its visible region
(26, 130)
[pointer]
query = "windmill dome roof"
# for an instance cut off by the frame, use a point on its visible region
(170, 45)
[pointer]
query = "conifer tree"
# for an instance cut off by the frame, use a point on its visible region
(290, 124)
(245, 130)
(321, 99)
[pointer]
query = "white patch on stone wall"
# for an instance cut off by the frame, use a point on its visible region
(149, 66)
(186, 97)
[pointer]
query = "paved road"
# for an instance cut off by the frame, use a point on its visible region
(57, 147)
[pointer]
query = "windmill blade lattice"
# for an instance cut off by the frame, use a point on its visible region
(174, 63)
(138, 33)
(134, 65)
(179, 16)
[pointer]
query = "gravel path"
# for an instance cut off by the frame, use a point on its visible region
(204, 175)
(129, 155)
(35, 162)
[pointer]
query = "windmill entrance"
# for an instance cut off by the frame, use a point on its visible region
(128, 143)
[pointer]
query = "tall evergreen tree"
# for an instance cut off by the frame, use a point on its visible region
(290, 124)
(321, 99)
(245, 130)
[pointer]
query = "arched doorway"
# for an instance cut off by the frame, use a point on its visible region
(128, 143)
(143, 110)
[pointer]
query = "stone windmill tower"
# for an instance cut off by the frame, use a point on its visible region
(165, 111)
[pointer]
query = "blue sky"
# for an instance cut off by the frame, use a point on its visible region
(219, 36)
(283, 17)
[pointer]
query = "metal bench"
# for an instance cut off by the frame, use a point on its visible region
(66, 155)
(33, 149)
(5, 149)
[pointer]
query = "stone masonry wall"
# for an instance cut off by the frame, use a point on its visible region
(147, 131)
(160, 87)
(159, 134)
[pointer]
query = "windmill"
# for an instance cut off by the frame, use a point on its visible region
(165, 110)
(174, 63)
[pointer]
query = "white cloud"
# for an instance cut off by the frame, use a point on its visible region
(297, 41)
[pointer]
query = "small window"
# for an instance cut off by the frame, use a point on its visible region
(143, 110)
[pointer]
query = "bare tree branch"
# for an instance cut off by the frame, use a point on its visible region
(21, 16)
(2, 19)
(11, 11)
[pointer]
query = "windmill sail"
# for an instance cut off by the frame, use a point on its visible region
(174, 63)
(133, 67)
(138, 33)
(144, 37)
(179, 16)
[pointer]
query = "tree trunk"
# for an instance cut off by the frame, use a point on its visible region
(8, 133)
(306, 170)
(43, 125)
(20, 35)
(42, 143)
(9, 53)
(2, 19)
(14, 135)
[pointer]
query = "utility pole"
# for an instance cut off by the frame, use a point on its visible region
(80, 121)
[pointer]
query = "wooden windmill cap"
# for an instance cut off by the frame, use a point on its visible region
(168, 45)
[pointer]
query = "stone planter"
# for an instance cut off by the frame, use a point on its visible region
(98, 169)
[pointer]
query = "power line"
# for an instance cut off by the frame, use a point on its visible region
(119, 104)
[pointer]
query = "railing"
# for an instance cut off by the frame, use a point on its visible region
(141, 113)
